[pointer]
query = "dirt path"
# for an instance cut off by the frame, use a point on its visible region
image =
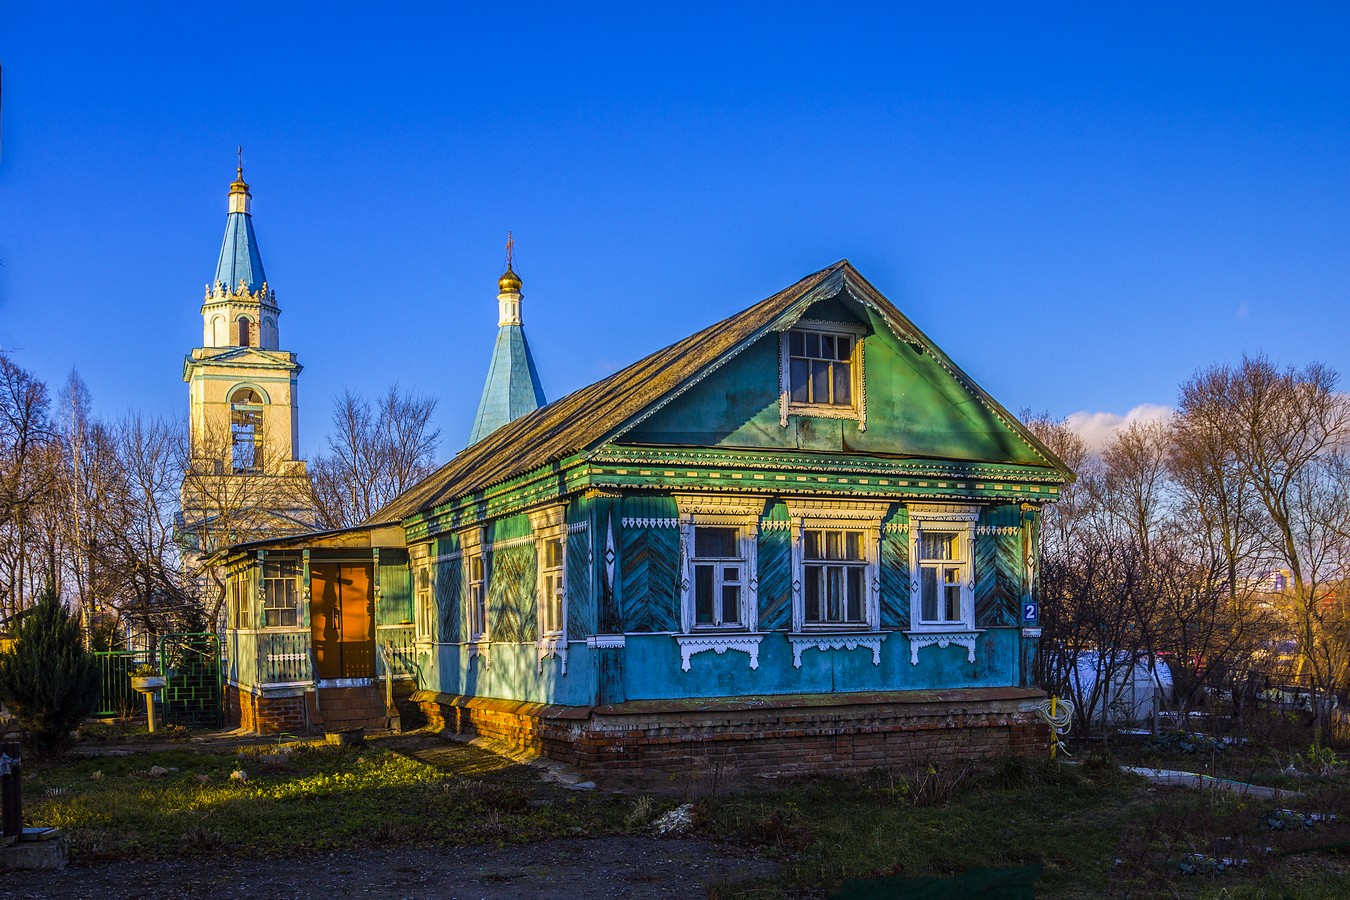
(640, 868)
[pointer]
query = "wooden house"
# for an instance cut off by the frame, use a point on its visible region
(802, 537)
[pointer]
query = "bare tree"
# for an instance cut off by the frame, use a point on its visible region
(26, 478)
(1284, 431)
(375, 452)
(1065, 520)
(1133, 491)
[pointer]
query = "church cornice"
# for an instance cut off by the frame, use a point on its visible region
(240, 358)
(221, 294)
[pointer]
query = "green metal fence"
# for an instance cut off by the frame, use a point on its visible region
(115, 696)
(193, 693)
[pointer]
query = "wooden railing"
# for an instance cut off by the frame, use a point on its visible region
(400, 639)
(283, 656)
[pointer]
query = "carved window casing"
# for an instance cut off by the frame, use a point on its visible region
(475, 593)
(821, 371)
(836, 558)
(719, 537)
(550, 533)
(942, 576)
(719, 584)
(836, 577)
(424, 592)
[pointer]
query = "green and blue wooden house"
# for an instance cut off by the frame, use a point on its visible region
(804, 513)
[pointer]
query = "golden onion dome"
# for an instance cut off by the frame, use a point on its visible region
(509, 283)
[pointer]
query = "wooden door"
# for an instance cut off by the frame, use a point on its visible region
(342, 627)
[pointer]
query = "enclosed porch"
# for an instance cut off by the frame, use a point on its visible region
(319, 632)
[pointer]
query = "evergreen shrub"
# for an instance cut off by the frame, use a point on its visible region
(47, 679)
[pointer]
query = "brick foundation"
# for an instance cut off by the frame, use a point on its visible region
(787, 734)
(294, 711)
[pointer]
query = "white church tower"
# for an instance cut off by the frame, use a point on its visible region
(245, 480)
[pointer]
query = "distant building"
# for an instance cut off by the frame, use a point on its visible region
(244, 478)
(801, 539)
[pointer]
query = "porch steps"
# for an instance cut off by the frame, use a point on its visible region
(339, 708)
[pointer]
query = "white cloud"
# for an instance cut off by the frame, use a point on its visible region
(1097, 428)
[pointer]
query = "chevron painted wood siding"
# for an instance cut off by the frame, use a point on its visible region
(650, 581)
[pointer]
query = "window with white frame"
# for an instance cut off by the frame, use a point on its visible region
(718, 547)
(424, 595)
(281, 592)
(549, 526)
(551, 576)
(836, 553)
(719, 577)
(942, 581)
(835, 584)
(821, 371)
(477, 599)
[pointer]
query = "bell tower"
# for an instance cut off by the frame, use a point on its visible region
(245, 480)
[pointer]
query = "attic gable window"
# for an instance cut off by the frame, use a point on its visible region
(821, 371)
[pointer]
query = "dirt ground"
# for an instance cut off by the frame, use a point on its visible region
(640, 868)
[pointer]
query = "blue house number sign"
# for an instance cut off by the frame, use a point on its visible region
(1031, 611)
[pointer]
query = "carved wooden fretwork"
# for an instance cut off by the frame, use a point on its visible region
(920, 639)
(719, 644)
(850, 510)
(651, 522)
(741, 507)
(607, 641)
(944, 512)
(822, 642)
(552, 647)
(548, 518)
(509, 542)
(480, 649)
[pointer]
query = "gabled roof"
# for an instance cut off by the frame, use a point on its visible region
(512, 388)
(589, 417)
(239, 256)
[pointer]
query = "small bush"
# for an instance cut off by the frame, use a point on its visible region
(48, 679)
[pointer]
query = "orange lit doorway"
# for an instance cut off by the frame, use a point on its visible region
(341, 616)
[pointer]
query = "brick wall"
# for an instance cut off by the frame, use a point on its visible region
(785, 735)
(263, 714)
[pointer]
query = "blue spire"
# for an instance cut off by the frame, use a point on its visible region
(239, 256)
(512, 387)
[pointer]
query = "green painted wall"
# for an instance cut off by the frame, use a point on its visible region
(653, 671)
(914, 406)
(396, 605)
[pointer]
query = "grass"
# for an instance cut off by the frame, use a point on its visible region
(314, 798)
(1092, 830)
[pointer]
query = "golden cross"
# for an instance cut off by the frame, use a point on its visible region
(241, 162)
(510, 249)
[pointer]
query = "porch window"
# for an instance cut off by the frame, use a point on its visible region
(240, 600)
(551, 587)
(281, 593)
(835, 569)
(477, 600)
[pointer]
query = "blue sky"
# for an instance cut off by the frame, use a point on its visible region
(1081, 206)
